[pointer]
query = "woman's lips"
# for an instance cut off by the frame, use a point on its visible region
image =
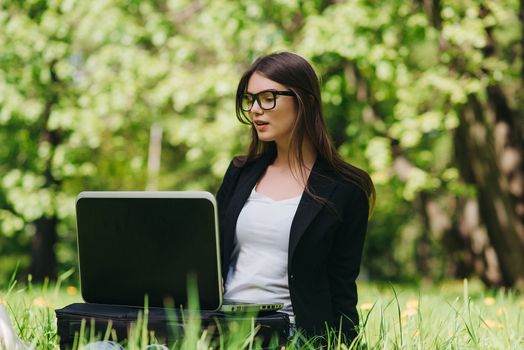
(260, 125)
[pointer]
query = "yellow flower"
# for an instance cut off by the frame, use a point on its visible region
(408, 313)
(3, 302)
(71, 290)
(522, 303)
(366, 306)
(491, 324)
(41, 302)
(415, 333)
(501, 310)
(489, 301)
(412, 304)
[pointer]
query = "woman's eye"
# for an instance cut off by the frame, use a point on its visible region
(267, 98)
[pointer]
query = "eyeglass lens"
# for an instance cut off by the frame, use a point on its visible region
(266, 100)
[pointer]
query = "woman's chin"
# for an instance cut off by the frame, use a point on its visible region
(264, 137)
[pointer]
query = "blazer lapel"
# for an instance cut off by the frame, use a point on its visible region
(247, 180)
(321, 185)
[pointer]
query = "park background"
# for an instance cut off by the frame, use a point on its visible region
(426, 95)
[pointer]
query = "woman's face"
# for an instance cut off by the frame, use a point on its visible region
(274, 124)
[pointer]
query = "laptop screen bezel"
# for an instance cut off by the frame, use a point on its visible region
(155, 195)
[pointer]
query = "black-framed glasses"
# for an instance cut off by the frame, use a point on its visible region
(266, 99)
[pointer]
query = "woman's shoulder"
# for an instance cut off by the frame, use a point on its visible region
(337, 173)
(237, 165)
(243, 161)
(350, 185)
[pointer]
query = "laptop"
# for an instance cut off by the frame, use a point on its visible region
(159, 244)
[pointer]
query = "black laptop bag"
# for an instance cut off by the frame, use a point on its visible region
(167, 324)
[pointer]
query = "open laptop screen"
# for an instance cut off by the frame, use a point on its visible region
(136, 243)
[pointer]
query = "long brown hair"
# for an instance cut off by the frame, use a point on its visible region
(298, 75)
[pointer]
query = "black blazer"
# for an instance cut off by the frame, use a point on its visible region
(325, 244)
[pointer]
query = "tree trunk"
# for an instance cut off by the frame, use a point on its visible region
(154, 156)
(521, 16)
(489, 147)
(474, 147)
(43, 258)
(423, 243)
(457, 224)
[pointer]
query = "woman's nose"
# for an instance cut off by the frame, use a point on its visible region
(256, 108)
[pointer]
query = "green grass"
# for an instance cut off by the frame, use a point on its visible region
(448, 316)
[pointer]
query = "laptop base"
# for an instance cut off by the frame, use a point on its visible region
(166, 324)
(230, 306)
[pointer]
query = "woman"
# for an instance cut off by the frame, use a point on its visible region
(293, 214)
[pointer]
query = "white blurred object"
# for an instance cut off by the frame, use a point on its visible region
(8, 338)
(103, 345)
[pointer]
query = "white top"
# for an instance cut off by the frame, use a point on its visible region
(261, 252)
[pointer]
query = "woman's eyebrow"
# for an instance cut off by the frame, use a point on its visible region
(259, 91)
(254, 93)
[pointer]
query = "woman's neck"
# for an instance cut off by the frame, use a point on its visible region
(288, 158)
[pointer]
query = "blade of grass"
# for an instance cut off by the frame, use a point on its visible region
(399, 316)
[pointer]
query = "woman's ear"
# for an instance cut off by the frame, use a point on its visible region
(310, 100)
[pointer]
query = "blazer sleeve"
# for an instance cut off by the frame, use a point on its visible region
(345, 258)
(228, 184)
(225, 187)
(223, 198)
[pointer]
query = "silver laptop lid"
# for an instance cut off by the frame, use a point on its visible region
(136, 243)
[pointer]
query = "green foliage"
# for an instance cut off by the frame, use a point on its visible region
(82, 83)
